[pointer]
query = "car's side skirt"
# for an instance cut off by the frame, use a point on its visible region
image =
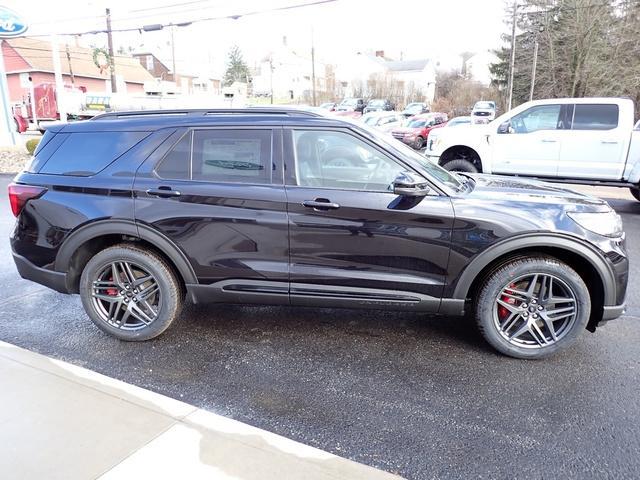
(314, 295)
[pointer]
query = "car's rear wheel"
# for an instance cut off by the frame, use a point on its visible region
(130, 293)
(460, 165)
(532, 307)
(635, 191)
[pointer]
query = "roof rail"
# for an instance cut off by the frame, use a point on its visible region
(209, 111)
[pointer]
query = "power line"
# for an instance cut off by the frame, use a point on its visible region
(160, 26)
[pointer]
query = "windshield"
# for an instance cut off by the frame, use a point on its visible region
(414, 158)
(459, 121)
(417, 123)
(376, 103)
(484, 105)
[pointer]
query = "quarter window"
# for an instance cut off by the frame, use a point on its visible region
(595, 117)
(333, 159)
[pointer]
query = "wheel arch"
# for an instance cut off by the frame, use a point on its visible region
(587, 262)
(89, 239)
(461, 152)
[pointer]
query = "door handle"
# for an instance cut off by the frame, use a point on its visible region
(545, 140)
(609, 142)
(320, 204)
(163, 192)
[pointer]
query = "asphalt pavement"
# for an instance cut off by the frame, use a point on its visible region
(420, 396)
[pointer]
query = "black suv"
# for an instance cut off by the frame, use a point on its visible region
(136, 211)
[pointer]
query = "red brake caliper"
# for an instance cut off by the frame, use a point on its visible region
(502, 310)
(112, 292)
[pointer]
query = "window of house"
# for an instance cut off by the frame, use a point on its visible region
(149, 62)
(334, 159)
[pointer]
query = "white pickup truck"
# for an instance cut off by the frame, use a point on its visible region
(589, 141)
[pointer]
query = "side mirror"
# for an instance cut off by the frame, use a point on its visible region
(505, 127)
(410, 184)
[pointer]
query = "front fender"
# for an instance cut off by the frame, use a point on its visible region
(532, 241)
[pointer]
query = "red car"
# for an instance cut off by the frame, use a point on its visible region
(416, 130)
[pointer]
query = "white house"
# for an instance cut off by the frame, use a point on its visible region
(288, 74)
(416, 78)
(477, 67)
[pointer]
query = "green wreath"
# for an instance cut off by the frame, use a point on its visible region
(97, 53)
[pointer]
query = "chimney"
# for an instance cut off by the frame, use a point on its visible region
(380, 53)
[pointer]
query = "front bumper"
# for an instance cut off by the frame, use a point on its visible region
(27, 270)
(612, 312)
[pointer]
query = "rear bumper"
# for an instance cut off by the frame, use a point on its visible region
(27, 270)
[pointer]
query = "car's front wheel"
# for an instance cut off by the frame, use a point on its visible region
(130, 292)
(418, 143)
(532, 307)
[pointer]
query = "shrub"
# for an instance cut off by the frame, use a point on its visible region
(32, 144)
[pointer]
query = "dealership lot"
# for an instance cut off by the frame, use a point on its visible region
(419, 396)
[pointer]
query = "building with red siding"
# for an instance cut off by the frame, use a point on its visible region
(28, 58)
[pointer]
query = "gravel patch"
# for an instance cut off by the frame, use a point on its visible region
(13, 160)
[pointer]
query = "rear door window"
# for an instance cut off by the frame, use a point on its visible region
(85, 154)
(595, 116)
(229, 155)
(221, 155)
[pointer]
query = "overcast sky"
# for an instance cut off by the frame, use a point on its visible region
(438, 29)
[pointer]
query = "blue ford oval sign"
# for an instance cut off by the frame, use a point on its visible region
(11, 25)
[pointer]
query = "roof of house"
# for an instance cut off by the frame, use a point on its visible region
(37, 53)
(406, 65)
(144, 54)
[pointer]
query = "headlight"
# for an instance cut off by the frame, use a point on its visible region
(608, 224)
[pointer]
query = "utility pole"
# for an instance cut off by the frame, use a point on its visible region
(112, 69)
(513, 56)
(313, 70)
(57, 69)
(173, 57)
(271, 70)
(533, 69)
(535, 62)
(73, 80)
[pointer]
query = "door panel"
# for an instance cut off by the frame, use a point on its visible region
(598, 144)
(360, 245)
(532, 146)
(228, 230)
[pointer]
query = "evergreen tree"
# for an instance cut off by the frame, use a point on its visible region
(237, 69)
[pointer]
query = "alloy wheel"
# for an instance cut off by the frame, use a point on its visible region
(535, 310)
(126, 296)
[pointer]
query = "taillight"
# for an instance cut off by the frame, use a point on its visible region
(19, 195)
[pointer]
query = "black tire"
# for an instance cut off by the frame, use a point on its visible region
(418, 143)
(165, 301)
(460, 165)
(635, 191)
(536, 340)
